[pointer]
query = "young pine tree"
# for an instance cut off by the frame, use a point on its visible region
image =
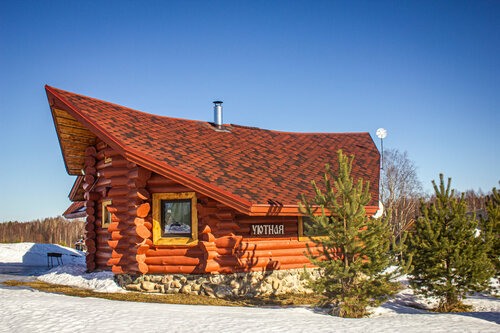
(490, 229)
(449, 257)
(356, 250)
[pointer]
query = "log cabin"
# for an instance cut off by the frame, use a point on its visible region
(165, 195)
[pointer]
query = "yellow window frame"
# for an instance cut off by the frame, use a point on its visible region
(157, 238)
(104, 213)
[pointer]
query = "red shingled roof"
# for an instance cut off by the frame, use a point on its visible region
(245, 168)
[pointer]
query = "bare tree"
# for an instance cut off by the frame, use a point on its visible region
(400, 189)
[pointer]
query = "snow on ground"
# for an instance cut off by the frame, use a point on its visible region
(75, 276)
(28, 310)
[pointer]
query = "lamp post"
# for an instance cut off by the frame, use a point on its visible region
(382, 133)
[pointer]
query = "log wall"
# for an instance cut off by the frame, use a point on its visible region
(225, 243)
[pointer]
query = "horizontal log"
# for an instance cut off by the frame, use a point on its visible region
(118, 209)
(133, 239)
(168, 189)
(141, 193)
(193, 252)
(102, 181)
(138, 268)
(225, 251)
(90, 211)
(118, 235)
(119, 181)
(103, 240)
(210, 220)
(136, 183)
(207, 237)
(102, 254)
(118, 192)
(141, 249)
(205, 211)
(139, 173)
(210, 266)
(269, 244)
(108, 152)
(118, 261)
(267, 219)
(275, 253)
(228, 241)
(89, 226)
(122, 244)
(110, 172)
(230, 225)
(225, 214)
(117, 253)
(156, 179)
(160, 269)
(171, 260)
(116, 269)
(223, 232)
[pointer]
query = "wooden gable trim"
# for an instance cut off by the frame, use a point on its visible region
(77, 192)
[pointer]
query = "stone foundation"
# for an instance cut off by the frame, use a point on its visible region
(220, 285)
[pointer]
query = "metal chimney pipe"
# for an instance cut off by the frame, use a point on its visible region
(218, 113)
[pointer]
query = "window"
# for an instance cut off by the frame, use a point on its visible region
(175, 219)
(305, 230)
(106, 215)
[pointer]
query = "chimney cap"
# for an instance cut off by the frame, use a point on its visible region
(217, 102)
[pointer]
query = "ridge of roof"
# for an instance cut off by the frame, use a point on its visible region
(208, 122)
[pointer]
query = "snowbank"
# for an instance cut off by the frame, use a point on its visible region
(35, 254)
(75, 276)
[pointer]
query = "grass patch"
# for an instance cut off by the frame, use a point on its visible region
(275, 300)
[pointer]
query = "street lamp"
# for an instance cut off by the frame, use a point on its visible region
(382, 133)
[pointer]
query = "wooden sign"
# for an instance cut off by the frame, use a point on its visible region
(267, 229)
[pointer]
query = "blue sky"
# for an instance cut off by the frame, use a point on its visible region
(427, 71)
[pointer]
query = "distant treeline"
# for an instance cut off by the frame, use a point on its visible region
(55, 230)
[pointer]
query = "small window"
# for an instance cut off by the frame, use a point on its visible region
(106, 215)
(305, 230)
(174, 218)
